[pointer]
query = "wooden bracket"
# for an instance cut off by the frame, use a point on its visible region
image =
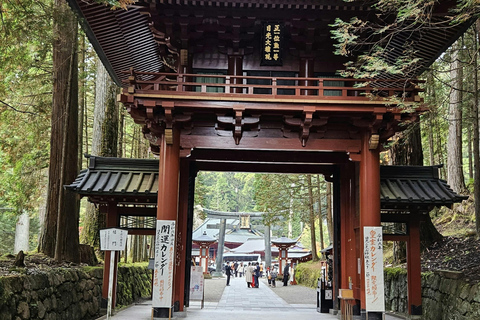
(168, 107)
(373, 142)
(307, 122)
(237, 132)
(238, 125)
(356, 157)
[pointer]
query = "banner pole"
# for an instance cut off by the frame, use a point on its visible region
(110, 284)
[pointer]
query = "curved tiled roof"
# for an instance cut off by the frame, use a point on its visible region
(403, 186)
(136, 180)
(126, 180)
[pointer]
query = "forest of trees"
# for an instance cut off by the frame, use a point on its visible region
(57, 103)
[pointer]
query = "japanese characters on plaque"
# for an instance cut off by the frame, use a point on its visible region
(272, 44)
(373, 262)
(113, 239)
(164, 264)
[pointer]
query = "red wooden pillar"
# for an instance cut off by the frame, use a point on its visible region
(181, 264)
(112, 221)
(348, 255)
(168, 183)
(369, 204)
(235, 68)
(414, 269)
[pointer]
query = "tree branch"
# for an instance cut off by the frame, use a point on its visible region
(16, 110)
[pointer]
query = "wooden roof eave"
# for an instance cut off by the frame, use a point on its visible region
(93, 40)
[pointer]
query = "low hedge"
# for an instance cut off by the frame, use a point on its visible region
(307, 273)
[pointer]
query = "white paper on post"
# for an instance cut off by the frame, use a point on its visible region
(196, 283)
(373, 262)
(113, 239)
(164, 264)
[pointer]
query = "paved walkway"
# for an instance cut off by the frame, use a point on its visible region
(240, 302)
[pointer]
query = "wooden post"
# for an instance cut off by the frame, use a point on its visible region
(306, 70)
(168, 184)
(111, 222)
(369, 204)
(181, 263)
(235, 68)
(414, 276)
(348, 250)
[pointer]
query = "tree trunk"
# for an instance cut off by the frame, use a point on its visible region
(407, 150)
(312, 218)
(104, 143)
(476, 139)
(60, 235)
(81, 101)
(121, 147)
(431, 94)
(455, 175)
(320, 216)
(329, 212)
(290, 214)
(470, 154)
(22, 233)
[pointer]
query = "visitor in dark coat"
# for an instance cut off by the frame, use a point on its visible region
(257, 274)
(228, 272)
(286, 274)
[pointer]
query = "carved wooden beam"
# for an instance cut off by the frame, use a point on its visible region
(259, 143)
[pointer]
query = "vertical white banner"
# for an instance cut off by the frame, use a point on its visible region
(373, 262)
(196, 283)
(164, 264)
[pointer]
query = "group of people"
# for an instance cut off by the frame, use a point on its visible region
(253, 272)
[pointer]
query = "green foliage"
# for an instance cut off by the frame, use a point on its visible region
(369, 42)
(225, 191)
(307, 273)
(282, 197)
(25, 99)
(26, 31)
(394, 272)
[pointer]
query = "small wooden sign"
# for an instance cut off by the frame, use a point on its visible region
(272, 44)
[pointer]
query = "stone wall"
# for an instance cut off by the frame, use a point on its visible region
(445, 295)
(72, 294)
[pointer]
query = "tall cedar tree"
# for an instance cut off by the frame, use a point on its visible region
(104, 143)
(59, 237)
(455, 176)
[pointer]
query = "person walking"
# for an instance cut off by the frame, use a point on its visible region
(274, 275)
(257, 274)
(235, 269)
(286, 274)
(248, 274)
(269, 276)
(241, 269)
(228, 272)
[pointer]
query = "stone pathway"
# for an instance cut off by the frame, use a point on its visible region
(240, 302)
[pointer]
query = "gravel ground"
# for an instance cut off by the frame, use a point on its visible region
(297, 294)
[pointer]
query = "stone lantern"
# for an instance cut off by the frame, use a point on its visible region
(204, 242)
(283, 244)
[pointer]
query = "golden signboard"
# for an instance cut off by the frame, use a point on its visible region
(272, 44)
